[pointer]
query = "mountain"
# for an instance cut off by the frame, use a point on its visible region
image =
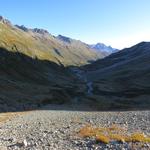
(27, 83)
(39, 43)
(38, 68)
(33, 68)
(100, 47)
(122, 80)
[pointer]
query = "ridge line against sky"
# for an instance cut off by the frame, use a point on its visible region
(114, 22)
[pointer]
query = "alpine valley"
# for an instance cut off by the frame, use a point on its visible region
(37, 68)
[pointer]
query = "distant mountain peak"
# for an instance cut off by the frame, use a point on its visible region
(35, 30)
(5, 21)
(40, 31)
(64, 38)
(22, 27)
(1, 18)
(103, 47)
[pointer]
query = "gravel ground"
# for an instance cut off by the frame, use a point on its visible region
(50, 129)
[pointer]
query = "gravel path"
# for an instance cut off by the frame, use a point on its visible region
(50, 129)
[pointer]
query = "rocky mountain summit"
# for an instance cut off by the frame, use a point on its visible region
(103, 48)
(36, 30)
(41, 31)
(5, 21)
(64, 38)
(22, 27)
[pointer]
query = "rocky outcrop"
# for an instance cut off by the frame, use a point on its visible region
(5, 21)
(40, 31)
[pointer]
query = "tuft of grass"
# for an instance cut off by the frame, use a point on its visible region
(87, 131)
(112, 133)
(9, 115)
(117, 137)
(139, 137)
(102, 138)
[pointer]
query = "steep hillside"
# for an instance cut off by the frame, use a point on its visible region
(39, 43)
(32, 70)
(122, 80)
(27, 83)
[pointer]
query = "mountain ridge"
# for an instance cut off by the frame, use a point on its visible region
(123, 77)
(40, 44)
(103, 48)
(75, 47)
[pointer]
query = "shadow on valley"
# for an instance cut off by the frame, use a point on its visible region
(29, 83)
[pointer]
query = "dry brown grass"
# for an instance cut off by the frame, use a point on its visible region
(9, 115)
(103, 138)
(6, 116)
(112, 133)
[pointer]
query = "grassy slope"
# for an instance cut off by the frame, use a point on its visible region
(45, 47)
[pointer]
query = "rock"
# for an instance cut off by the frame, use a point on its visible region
(25, 143)
(147, 145)
(126, 123)
(37, 131)
(40, 31)
(22, 27)
(90, 121)
(3, 148)
(44, 134)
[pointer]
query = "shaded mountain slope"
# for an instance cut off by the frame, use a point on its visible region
(123, 78)
(38, 43)
(26, 82)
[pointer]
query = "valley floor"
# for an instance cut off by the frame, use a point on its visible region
(50, 129)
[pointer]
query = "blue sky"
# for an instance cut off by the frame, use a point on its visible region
(120, 23)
